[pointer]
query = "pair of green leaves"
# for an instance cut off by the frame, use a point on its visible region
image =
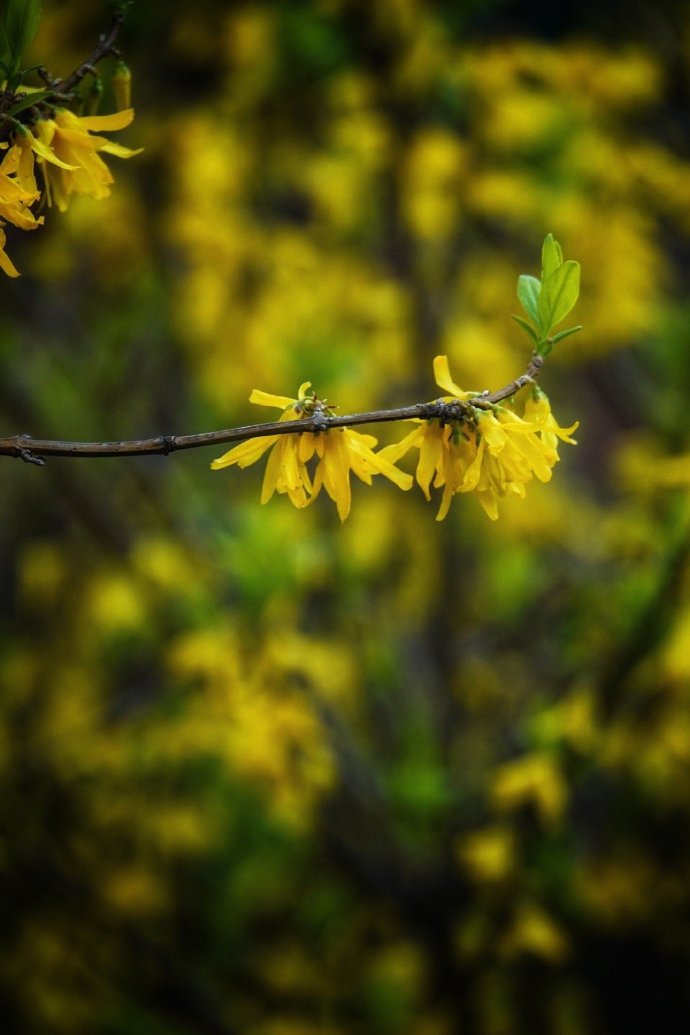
(549, 300)
(18, 25)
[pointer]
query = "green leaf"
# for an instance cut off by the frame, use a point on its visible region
(19, 20)
(528, 290)
(29, 100)
(564, 334)
(551, 256)
(527, 326)
(558, 295)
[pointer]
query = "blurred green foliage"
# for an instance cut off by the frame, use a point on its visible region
(265, 775)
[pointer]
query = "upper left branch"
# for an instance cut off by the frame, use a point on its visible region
(48, 126)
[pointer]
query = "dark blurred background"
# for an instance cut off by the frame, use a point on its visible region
(267, 775)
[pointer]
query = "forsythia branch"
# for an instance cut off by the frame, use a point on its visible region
(32, 450)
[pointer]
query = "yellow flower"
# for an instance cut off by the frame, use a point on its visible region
(15, 200)
(339, 451)
(510, 451)
(6, 263)
(493, 454)
(68, 154)
(29, 145)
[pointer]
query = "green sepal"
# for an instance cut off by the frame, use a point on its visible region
(559, 293)
(29, 100)
(527, 326)
(528, 291)
(564, 334)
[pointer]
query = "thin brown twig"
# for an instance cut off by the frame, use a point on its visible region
(31, 450)
(105, 47)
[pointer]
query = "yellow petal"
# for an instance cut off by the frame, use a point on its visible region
(47, 153)
(118, 120)
(444, 380)
(565, 433)
(493, 432)
(471, 479)
(336, 475)
(430, 449)
(399, 478)
(488, 500)
(260, 398)
(396, 450)
(245, 453)
(307, 445)
(445, 503)
(111, 148)
(5, 261)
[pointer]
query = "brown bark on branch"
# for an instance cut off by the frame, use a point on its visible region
(32, 450)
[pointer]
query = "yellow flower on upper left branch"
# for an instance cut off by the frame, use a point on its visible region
(69, 156)
(15, 200)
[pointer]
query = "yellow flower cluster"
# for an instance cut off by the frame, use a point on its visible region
(68, 160)
(339, 451)
(494, 453)
(494, 457)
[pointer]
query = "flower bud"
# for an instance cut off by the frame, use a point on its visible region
(95, 95)
(122, 85)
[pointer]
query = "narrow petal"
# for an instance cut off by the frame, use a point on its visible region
(47, 153)
(396, 450)
(245, 453)
(471, 478)
(307, 445)
(5, 262)
(260, 398)
(336, 475)
(111, 148)
(444, 380)
(489, 502)
(445, 503)
(272, 473)
(430, 451)
(492, 432)
(364, 462)
(119, 120)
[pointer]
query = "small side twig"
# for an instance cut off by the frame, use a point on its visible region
(105, 47)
